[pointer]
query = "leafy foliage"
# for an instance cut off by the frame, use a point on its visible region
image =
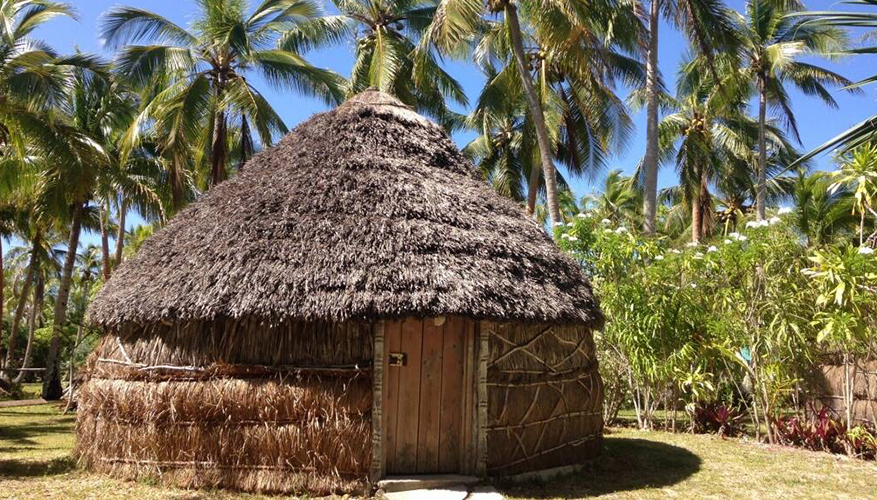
(716, 418)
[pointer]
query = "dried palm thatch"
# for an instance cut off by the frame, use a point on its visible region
(545, 397)
(285, 408)
(365, 211)
(829, 389)
(270, 436)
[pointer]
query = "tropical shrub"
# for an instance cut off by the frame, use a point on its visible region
(821, 431)
(684, 324)
(717, 418)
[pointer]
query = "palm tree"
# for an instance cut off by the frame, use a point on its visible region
(90, 261)
(620, 199)
(32, 78)
(864, 131)
(104, 108)
(710, 137)
(503, 151)
(30, 273)
(576, 68)
(37, 261)
(772, 44)
(387, 33)
(822, 213)
(200, 75)
(456, 22)
(707, 25)
(79, 169)
(18, 181)
(35, 311)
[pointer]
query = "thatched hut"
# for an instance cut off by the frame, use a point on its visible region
(356, 303)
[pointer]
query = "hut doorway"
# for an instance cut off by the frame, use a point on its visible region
(429, 396)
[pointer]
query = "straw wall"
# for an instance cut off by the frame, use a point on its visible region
(545, 397)
(829, 385)
(231, 404)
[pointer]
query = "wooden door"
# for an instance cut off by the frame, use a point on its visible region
(428, 404)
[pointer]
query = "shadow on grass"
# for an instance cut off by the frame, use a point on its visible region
(29, 428)
(627, 464)
(36, 468)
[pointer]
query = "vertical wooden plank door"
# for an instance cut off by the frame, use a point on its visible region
(425, 407)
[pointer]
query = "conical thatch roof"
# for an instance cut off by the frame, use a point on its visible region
(365, 211)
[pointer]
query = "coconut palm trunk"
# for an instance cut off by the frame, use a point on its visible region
(22, 303)
(105, 241)
(219, 148)
(37, 305)
(650, 161)
(533, 102)
(762, 154)
(697, 209)
(52, 389)
(71, 374)
(120, 236)
(533, 184)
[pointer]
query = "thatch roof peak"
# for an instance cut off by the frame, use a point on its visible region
(366, 211)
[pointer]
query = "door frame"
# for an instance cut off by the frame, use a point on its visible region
(473, 454)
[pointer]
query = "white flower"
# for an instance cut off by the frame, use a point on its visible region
(694, 285)
(621, 229)
(659, 257)
(698, 255)
(763, 223)
(573, 238)
(727, 241)
(712, 249)
(605, 221)
(742, 238)
(581, 215)
(607, 231)
(752, 223)
(774, 220)
(675, 251)
(691, 244)
(784, 211)
(866, 250)
(734, 236)
(559, 224)
(564, 236)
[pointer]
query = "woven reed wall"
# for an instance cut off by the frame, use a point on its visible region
(829, 390)
(235, 405)
(545, 397)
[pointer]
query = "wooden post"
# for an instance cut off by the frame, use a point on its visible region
(483, 337)
(377, 466)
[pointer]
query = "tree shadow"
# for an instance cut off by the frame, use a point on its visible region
(36, 468)
(627, 464)
(30, 428)
(17, 437)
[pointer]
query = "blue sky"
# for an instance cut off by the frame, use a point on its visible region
(816, 121)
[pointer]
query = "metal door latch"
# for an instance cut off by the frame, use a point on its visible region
(398, 359)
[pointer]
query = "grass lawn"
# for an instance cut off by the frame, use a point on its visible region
(35, 444)
(30, 390)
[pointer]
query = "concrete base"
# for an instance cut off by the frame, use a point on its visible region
(444, 491)
(426, 482)
(450, 493)
(484, 493)
(547, 474)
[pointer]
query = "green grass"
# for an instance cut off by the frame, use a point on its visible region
(29, 390)
(652, 465)
(35, 463)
